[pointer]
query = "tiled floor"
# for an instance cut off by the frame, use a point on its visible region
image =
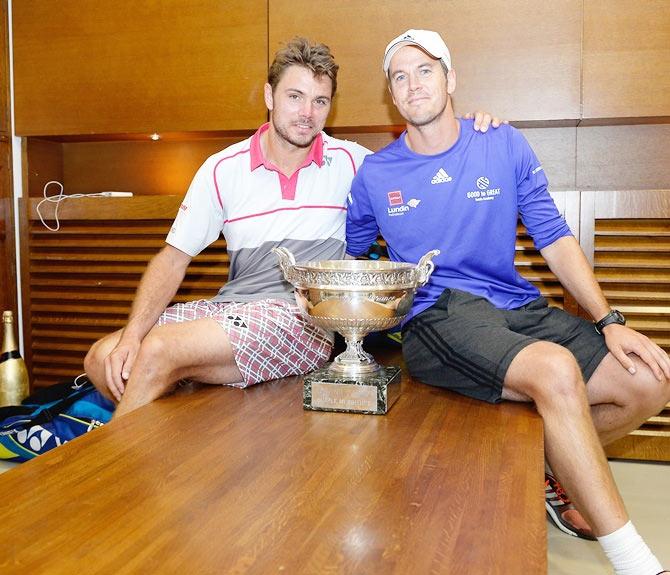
(646, 491)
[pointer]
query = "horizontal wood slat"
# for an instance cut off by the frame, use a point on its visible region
(623, 259)
(626, 236)
(81, 280)
(137, 254)
(632, 227)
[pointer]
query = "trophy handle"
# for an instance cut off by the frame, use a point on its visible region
(286, 260)
(425, 267)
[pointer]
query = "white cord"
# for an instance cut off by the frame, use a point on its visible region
(76, 384)
(58, 198)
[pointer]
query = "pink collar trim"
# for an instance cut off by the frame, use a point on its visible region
(315, 152)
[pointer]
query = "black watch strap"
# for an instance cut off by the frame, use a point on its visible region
(614, 316)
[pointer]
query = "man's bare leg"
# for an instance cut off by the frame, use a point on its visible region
(198, 350)
(549, 375)
(94, 362)
(620, 401)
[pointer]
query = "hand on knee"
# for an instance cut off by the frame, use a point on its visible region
(647, 393)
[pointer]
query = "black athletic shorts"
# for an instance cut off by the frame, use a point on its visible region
(465, 344)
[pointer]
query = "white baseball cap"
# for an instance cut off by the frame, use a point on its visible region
(429, 41)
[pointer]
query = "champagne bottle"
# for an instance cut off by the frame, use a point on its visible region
(14, 385)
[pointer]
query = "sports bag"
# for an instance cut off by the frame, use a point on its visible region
(50, 417)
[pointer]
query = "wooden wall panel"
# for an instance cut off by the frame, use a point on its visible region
(7, 255)
(623, 157)
(5, 127)
(626, 58)
(521, 63)
(556, 149)
(44, 163)
(161, 167)
(129, 66)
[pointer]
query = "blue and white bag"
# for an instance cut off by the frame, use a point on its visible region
(50, 417)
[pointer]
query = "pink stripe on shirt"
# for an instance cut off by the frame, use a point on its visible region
(342, 208)
(351, 158)
(218, 193)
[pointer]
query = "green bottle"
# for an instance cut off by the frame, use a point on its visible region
(14, 386)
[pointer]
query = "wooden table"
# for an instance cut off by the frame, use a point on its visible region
(225, 481)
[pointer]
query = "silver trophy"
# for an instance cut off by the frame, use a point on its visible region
(354, 298)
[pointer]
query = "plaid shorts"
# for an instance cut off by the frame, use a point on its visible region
(270, 338)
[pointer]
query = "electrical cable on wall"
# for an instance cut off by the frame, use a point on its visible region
(61, 196)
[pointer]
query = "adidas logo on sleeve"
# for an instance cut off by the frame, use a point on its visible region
(441, 177)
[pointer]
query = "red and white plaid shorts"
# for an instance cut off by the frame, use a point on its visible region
(270, 338)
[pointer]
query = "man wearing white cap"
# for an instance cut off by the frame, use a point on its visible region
(479, 328)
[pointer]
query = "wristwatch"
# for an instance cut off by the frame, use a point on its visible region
(614, 316)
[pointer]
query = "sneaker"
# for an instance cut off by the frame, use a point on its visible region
(562, 512)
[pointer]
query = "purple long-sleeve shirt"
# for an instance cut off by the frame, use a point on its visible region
(465, 202)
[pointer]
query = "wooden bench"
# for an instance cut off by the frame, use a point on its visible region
(222, 481)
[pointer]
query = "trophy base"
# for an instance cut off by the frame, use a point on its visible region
(373, 393)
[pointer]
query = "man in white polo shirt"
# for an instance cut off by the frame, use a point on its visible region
(284, 186)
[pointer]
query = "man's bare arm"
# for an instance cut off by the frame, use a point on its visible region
(568, 262)
(159, 283)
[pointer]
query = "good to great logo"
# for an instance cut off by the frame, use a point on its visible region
(484, 193)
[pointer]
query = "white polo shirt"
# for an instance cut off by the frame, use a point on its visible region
(239, 193)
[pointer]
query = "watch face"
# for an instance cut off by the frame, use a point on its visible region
(615, 316)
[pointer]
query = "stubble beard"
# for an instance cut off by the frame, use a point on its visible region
(305, 142)
(420, 122)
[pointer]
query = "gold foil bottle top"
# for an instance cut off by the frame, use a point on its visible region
(8, 339)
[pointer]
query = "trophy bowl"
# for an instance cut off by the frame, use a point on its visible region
(354, 298)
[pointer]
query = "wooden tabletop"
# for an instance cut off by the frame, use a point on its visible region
(225, 481)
